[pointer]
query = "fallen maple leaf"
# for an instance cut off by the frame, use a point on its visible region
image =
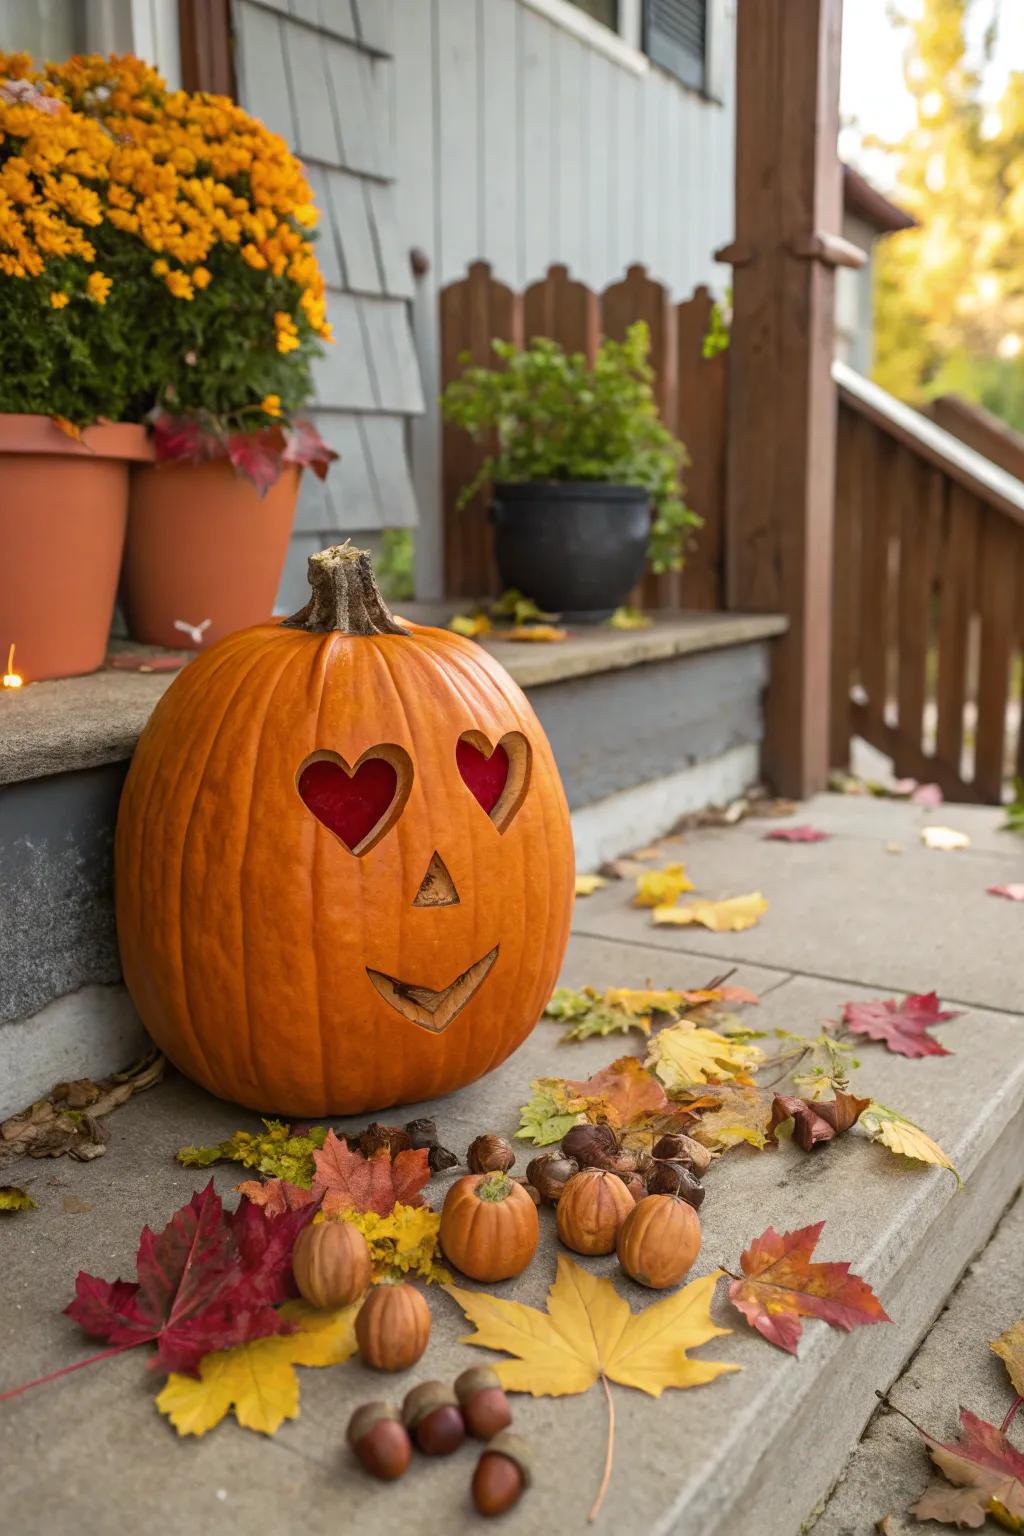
(274, 1151)
(1010, 1348)
(740, 1114)
(402, 1243)
(206, 1282)
(276, 1195)
(626, 1088)
(685, 1054)
(658, 887)
(14, 1199)
(796, 835)
(1011, 892)
(617, 1010)
(782, 1284)
(589, 1334)
(987, 1470)
(944, 839)
(472, 625)
(902, 1136)
(538, 633)
(348, 1180)
(904, 1026)
(730, 916)
(586, 885)
(257, 1380)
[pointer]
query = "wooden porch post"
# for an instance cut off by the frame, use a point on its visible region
(782, 402)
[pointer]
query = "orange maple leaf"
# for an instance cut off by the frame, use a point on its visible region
(627, 1089)
(782, 1285)
(276, 1196)
(350, 1181)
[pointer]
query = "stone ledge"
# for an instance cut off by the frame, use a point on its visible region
(82, 722)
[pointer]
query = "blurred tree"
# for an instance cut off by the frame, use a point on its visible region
(950, 293)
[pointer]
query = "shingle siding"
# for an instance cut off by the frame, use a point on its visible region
(320, 73)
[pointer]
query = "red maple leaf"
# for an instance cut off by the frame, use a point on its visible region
(183, 437)
(350, 1181)
(258, 456)
(782, 1285)
(904, 1026)
(986, 1469)
(205, 1282)
(796, 835)
(304, 445)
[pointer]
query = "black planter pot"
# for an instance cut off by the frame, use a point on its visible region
(576, 547)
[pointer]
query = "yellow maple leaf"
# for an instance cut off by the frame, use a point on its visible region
(471, 625)
(586, 885)
(729, 916)
(684, 1055)
(662, 887)
(588, 1333)
(257, 1379)
(538, 633)
(900, 1135)
(14, 1199)
(743, 1115)
(1010, 1348)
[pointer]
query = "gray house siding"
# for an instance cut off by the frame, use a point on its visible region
(321, 73)
(524, 144)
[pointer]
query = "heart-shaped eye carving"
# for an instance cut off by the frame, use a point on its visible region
(357, 804)
(497, 777)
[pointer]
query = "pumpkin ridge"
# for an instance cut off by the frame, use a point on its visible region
(296, 655)
(199, 698)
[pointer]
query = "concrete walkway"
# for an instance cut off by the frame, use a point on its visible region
(757, 1450)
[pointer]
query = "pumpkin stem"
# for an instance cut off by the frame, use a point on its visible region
(494, 1186)
(345, 596)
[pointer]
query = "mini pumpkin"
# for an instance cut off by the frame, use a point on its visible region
(489, 1226)
(344, 861)
(659, 1241)
(592, 1207)
(331, 1263)
(392, 1327)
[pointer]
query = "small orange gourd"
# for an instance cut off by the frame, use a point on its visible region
(592, 1208)
(659, 1241)
(392, 1327)
(489, 1226)
(331, 1264)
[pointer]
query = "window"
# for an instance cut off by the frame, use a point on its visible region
(48, 29)
(604, 11)
(676, 38)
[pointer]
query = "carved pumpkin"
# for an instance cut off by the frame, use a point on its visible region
(344, 860)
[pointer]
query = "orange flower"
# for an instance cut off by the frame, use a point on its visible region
(202, 277)
(98, 287)
(58, 300)
(179, 285)
(270, 405)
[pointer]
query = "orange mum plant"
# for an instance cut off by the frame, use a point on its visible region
(156, 263)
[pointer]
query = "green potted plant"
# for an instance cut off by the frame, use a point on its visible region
(586, 478)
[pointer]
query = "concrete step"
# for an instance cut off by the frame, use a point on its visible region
(890, 1468)
(755, 1450)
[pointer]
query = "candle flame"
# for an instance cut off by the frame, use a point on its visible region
(12, 679)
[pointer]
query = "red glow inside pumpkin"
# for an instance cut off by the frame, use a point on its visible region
(349, 807)
(485, 777)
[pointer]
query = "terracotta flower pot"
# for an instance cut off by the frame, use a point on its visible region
(63, 506)
(204, 550)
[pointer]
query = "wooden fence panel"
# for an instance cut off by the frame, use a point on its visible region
(566, 311)
(846, 585)
(701, 423)
(957, 577)
(999, 538)
(473, 313)
(920, 515)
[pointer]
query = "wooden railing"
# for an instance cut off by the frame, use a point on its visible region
(928, 616)
(690, 390)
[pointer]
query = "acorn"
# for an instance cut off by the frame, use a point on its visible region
(490, 1154)
(502, 1473)
(380, 1440)
(671, 1178)
(683, 1149)
(550, 1173)
(485, 1408)
(393, 1138)
(433, 1418)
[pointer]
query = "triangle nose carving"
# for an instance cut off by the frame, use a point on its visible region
(437, 888)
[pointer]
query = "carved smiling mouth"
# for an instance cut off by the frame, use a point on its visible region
(433, 1010)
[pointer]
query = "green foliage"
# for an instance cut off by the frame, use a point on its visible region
(716, 337)
(556, 419)
(394, 564)
(274, 1152)
(1015, 810)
